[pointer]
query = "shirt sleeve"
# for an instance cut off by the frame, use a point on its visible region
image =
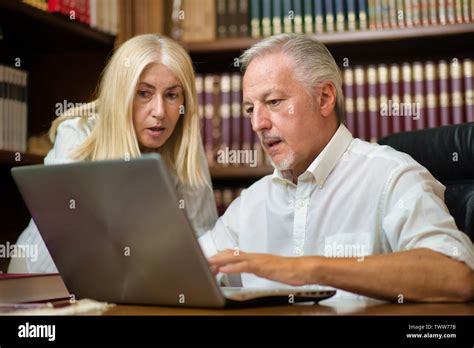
(68, 137)
(415, 215)
(199, 202)
(224, 235)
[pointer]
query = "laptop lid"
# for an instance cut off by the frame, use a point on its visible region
(116, 232)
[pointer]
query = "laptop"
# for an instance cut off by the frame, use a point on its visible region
(117, 233)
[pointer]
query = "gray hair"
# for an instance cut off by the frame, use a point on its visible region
(313, 63)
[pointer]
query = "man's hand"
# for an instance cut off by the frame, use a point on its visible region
(290, 270)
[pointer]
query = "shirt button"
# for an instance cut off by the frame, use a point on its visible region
(298, 251)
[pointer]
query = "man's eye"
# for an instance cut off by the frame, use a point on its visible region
(249, 111)
(274, 102)
(144, 94)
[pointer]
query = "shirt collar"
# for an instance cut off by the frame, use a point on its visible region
(325, 162)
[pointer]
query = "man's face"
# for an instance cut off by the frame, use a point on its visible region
(285, 116)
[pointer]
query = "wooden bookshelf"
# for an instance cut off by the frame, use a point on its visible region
(402, 35)
(22, 23)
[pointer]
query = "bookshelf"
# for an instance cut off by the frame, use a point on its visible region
(435, 34)
(402, 36)
(63, 59)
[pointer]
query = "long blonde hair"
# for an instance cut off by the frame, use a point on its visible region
(113, 135)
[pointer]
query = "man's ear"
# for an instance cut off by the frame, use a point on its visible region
(327, 97)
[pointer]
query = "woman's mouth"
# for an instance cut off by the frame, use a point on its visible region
(155, 131)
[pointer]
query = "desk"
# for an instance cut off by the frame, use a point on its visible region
(326, 307)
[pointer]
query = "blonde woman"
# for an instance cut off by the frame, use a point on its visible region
(146, 102)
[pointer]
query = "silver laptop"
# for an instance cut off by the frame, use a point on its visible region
(117, 233)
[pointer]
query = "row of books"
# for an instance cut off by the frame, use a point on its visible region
(13, 109)
(226, 131)
(99, 14)
(384, 99)
(269, 17)
(224, 197)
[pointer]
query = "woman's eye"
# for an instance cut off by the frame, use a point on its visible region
(172, 95)
(144, 94)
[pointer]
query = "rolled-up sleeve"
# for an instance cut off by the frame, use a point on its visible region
(414, 215)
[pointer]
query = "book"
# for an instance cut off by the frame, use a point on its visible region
(20, 288)
(431, 95)
(255, 19)
(444, 96)
(456, 92)
(277, 25)
(468, 72)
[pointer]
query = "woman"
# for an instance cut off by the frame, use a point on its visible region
(146, 102)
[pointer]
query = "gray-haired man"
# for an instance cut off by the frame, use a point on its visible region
(337, 211)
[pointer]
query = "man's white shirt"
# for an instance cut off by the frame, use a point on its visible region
(355, 199)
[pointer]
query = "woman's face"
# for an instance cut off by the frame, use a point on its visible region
(158, 100)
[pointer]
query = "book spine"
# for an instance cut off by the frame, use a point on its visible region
(433, 9)
(444, 103)
(243, 18)
(349, 100)
(209, 114)
(373, 105)
(395, 96)
(361, 97)
(401, 13)
(340, 18)
(288, 16)
(407, 95)
(468, 72)
(372, 17)
(266, 18)
(378, 14)
(416, 6)
(363, 14)
(308, 16)
(418, 83)
(216, 117)
(200, 99)
(298, 16)
(458, 9)
(408, 13)
(442, 16)
(385, 14)
(431, 95)
(384, 101)
(450, 12)
(329, 16)
(221, 9)
(393, 13)
(456, 92)
(466, 11)
(255, 19)
(233, 18)
(351, 15)
(236, 111)
(318, 16)
(424, 12)
(277, 17)
(225, 113)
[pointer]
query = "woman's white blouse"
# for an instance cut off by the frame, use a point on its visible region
(199, 203)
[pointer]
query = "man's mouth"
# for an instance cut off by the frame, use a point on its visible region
(269, 143)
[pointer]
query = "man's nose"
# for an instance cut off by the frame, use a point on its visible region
(260, 119)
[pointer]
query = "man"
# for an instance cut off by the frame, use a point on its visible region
(337, 211)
